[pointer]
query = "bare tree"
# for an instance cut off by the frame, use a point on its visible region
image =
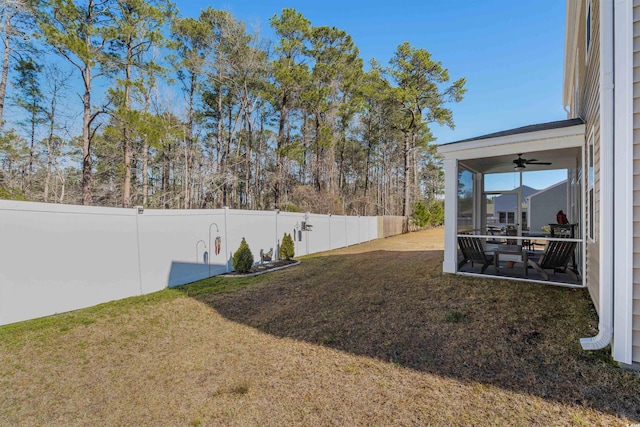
(14, 30)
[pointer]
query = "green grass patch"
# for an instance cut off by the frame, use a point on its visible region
(45, 328)
(216, 285)
(456, 317)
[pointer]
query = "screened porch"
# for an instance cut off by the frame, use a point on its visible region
(515, 205)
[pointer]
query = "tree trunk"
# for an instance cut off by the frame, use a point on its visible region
(126, 134)
(406, 205)
(317, 179)
(5, 64)
(166, 173)
(49, 141)
(145, 160)
(281, 140)
(87, 198)
(189, 144)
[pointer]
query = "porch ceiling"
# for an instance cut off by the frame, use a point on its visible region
(557, 142)
(566, 158)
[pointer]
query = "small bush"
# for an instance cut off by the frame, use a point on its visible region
(436, 212)
(289, 207)
(11, 194)
(428, 215)
(420, 214)
(243, 258)
(286, 248)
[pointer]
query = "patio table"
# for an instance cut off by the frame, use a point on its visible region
(511, 253)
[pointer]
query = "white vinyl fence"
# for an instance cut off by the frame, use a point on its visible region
(58, 258)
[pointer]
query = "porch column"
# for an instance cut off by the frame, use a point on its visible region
(479, 207)
(450, 263)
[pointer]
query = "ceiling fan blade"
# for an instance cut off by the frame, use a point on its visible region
(538, 163)
(530, 160)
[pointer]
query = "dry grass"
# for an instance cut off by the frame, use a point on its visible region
(368, 335)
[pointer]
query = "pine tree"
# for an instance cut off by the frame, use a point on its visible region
(286, 248)
(243, 258)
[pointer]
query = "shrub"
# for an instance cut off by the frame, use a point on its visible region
(420, 214)
(243, 258)
(11, 194)
(428, 215)
(436, 212)
(286, 248)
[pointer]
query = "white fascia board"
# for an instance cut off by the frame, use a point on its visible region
(552, 139)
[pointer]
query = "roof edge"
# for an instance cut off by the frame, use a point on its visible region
(524, 129)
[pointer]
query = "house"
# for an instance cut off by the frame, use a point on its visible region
(505, 207)
(598, 144)
(545, 204)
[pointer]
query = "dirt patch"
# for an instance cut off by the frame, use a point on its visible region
(265, 267)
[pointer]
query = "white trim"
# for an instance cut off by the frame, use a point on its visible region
(605, 237)
(450, 264)
(583, 213)
(623, 175)
(521, 279)
(590, 182)
(479, 221)
(566, 137)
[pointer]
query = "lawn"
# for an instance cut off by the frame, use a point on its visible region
(370, 335)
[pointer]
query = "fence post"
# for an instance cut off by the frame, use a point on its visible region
(226, 237)
(346, 231)
(139, 211)
(276, 252)
(330, 247)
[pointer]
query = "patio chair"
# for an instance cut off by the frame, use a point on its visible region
(473, 251)
(555, 257)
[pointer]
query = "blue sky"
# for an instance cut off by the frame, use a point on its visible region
(510, 52)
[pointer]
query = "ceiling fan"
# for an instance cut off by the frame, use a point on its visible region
(521, 163)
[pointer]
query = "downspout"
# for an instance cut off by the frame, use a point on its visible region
(607, 187)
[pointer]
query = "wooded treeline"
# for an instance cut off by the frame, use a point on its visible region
(126, 102)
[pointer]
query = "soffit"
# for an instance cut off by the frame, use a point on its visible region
(561, 145)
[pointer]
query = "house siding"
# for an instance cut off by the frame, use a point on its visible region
(545, 204)
(588, 72)
(636, 182)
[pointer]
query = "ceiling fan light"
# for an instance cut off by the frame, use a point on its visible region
(518, 167)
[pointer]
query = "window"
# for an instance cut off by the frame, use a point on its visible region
(507, 217)
(590, 184)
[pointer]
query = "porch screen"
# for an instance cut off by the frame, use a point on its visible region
(465, 200)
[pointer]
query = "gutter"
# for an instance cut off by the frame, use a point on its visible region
(607, 187)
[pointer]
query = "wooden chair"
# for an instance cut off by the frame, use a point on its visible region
(555, 257)
(473, 251)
